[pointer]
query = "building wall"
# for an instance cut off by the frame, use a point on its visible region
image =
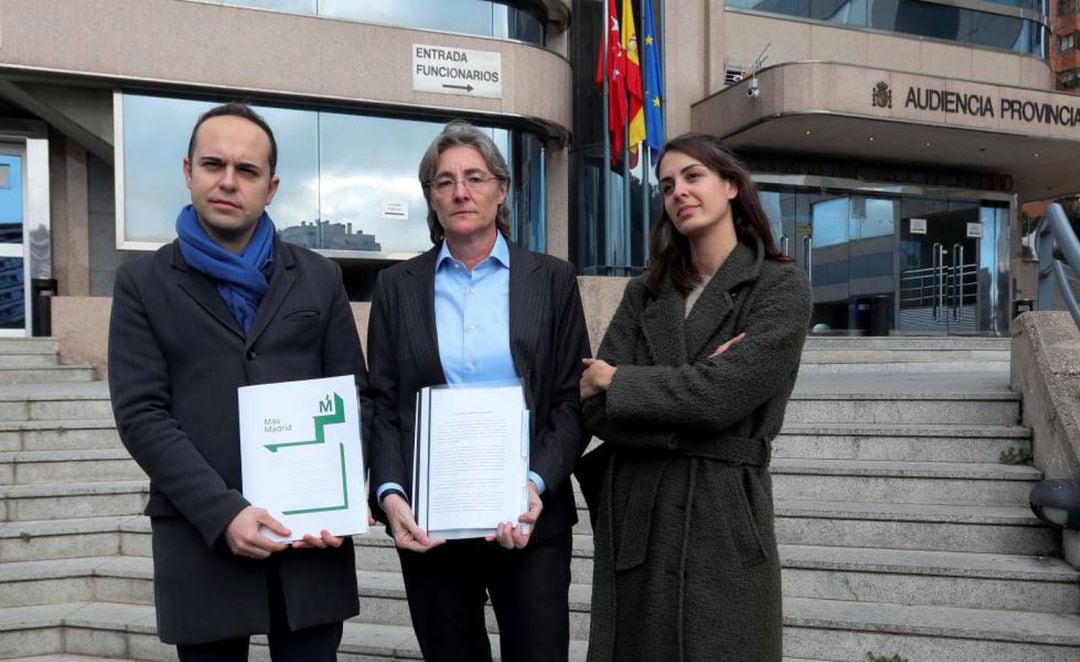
(1065, 23)
(68, 55)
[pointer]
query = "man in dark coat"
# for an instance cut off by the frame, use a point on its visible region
(228, 304)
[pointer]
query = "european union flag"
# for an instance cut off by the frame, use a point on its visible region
(654, 85)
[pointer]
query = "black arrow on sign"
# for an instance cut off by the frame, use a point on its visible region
(467, 88)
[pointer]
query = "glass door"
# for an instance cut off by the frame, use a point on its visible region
(939, 266)
(13, 282)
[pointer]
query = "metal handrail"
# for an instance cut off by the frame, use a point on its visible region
(1055, 228)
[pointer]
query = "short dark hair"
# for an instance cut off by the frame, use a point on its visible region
(236, 109)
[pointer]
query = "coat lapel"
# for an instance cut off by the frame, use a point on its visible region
(526, 301)
(417, 300)
(661, 322)
(202, 290)
(717, 302)
(281, 282)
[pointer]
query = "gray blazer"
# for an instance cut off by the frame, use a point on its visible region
(176, 358)
(547, 342)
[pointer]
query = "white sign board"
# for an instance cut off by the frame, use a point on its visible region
(974, 230)
(918, 226)
(446, 70)
(395, 209)
(301, 455)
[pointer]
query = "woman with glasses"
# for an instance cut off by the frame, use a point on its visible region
(688, 390)
(473, 309)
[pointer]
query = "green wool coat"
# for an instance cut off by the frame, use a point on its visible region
(686, 564)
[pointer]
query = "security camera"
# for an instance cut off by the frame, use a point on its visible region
(752, 90)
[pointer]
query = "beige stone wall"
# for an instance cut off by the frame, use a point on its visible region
(1046, 371)
(81, 324)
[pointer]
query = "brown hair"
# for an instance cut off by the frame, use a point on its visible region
(670, 250)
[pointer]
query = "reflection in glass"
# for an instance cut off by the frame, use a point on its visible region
(12, 293)
(11, 199)
(344, 184)
(479, 17)
(926, 19)
(292, 6)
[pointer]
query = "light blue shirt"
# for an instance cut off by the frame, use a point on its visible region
(472, 319)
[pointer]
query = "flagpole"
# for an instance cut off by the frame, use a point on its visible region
(608, 258)
(627, 216)
(663, 65)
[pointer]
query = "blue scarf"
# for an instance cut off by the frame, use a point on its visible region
(239, 276)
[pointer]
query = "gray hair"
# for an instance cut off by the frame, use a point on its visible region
(454, 134)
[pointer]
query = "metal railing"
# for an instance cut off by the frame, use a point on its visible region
(1055, 229)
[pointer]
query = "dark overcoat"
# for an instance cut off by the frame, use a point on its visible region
(176, 358)
(547, 342)
(686, 564)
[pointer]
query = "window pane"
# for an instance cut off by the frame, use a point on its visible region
(369, 183)
(347, 182)
(12, 294)
(11, 200)
(294, 6)
(469, 16)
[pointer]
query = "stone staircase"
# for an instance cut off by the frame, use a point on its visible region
(901, 532)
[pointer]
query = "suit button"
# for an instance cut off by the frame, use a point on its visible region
(251, 355)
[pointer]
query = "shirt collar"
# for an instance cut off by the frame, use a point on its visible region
(500, 252)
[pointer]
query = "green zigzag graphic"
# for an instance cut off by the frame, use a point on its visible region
(320, 422)
(320, 438)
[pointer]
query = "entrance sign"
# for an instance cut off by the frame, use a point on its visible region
(918, 226)
(301, 455)
(447, 70)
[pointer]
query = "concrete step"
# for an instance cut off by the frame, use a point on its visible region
(917, 577)
(902, 482)
(57, 435)
(989, 408)
(903, 355)
(35, 345)
(128, 632)
(29, 360)
(51, 402)
(846, 631)
(930, 527)
(47, 374)
(873, 574)
(67, 466)
(813, 630)
(64, 501)
(908, 443)
(74, 538)
(910, 343)
(884, 367)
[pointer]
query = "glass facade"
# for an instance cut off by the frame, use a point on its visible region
(925, 19)
(478, 17)
(348, 181)
(902, 263)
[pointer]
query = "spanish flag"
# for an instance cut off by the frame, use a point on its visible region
(633, 80)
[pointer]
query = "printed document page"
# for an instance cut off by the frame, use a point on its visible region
(472, 459)
(301, 455)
